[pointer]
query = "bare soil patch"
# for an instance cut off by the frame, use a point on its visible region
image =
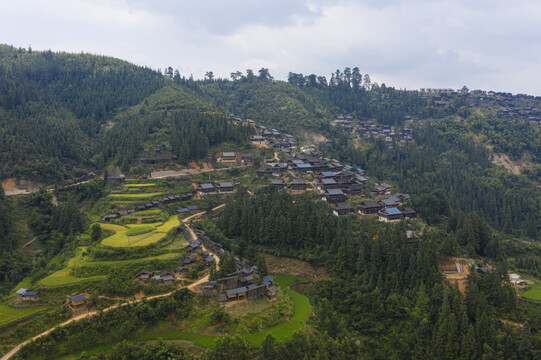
(9, 184)
(506, 162)
(447, 265)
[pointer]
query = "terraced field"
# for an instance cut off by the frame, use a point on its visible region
(9, 314)
(63, 277)
(139, 234)
(135, 196)
(138, 185)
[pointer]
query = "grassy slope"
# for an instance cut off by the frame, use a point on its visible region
(9, 314)
(152, 233)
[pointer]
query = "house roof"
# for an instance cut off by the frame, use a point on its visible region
(267, 280)
(328, 173)
(226, 184)
(277, 182)
(343, 206)
(370, 204)
(237, 291)
(78, 298)
(298, 182)
(30, 293)
(391, 211)
(304, 166)
(207, 186)
(388, 202)
(335, 192)
(209, 259)
(193, 207)
(228, 154)
(21, 291)
(328, 181)
(183, 210)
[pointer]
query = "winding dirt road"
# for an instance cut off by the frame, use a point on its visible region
(192, 286)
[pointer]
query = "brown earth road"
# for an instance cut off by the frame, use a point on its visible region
(93, 313)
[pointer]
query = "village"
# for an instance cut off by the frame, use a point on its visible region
(195, 260)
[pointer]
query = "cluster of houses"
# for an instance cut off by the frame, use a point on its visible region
(235, 158)
(244, 283)
(335, 182)
(156, 203)
(225, 187)
(525, 114)
(238, 121)
(164, 278)
(370, 129)
(274, 139)
(196, 256)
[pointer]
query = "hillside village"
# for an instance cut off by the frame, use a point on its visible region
(140, 208)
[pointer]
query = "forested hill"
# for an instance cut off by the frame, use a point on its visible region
(60, 109)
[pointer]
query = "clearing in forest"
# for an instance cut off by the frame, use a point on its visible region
(294, 267)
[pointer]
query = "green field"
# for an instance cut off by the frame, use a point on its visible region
(9, 314)
(533, 293)
(136, 196)
(63, 277)
(139, 234)
(138, 185)
(139, 230)
(300, 302)
(173, 222)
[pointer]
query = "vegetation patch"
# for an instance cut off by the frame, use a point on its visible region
(136, 196)
(9, 314)
(64, 277)
(139, 230)
(169, 224)
(300, 302)
(533, 293)
(138, 185)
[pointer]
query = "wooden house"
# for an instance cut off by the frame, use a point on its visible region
(257, 139)
(237, 294)
(298, 185)
(78, 302)
(28, 294)
(225, 187)
(390, 215)
(165, 278)
(334, 196)
(255, 291)
(144, 275)
(206, 189)
(409, 213)
(227, 157)
(342, 208)
(369, 207)
(278, 184)
(190, 259)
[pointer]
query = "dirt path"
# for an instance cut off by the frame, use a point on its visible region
(28, 243)
(93, 313)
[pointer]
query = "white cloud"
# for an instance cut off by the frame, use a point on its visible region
(416, 43)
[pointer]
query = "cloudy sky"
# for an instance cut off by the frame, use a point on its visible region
(483, 44)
